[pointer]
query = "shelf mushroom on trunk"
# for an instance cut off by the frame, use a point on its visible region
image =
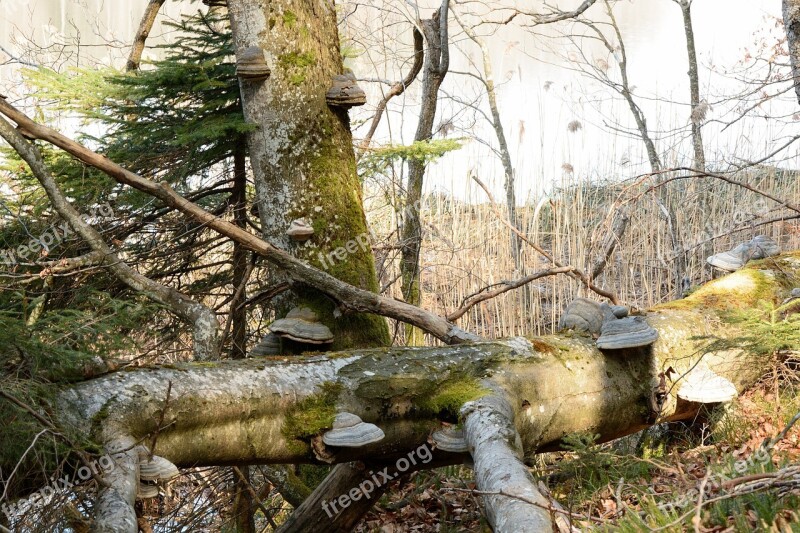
(300, 230)
(153, 471)
(251, 65)
(301, 330)
(610, 324)
(345, 92)
(449, 439)
(349, 431)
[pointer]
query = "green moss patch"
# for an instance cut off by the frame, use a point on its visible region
(296, 60)
(289, 18)
(448, 398)
(743, 289)
(311, 415)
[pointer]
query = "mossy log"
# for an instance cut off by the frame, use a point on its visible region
(272, 410)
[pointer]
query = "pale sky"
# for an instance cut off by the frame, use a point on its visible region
(535, 113)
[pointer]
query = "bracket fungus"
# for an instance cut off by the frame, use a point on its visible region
(300, 230)
(250, 64)
(449, 439)
(758, 247)
(628, 332)
(619, 311)
(146, 491)
(269, 345)
(349, 431)
(582, 314)
(345, 92)
(701, 385)
(156, 468)
(302, 325)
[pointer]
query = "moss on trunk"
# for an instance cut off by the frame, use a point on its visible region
(303, 160)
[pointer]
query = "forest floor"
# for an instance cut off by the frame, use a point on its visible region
(640, 483)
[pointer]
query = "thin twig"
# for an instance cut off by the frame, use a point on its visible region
(160, 419)
(574, 273)
(481, 296)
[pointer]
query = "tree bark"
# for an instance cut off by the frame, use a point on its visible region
(556, 385)
(238, 314)
(694, 85)
(302, 156)
(436, 64)
(791, 20)
(148, 19)
(396, 89)
(517, 506)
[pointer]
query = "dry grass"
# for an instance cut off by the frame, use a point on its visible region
(466, 247)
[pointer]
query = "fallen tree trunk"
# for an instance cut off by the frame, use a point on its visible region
(273, 410)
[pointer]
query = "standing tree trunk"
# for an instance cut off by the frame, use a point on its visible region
(497, 125)
(679, 266)
(302, 156)
(437, 61)
(694, 86)
(303, 161)
(696, 119)
(243, 505)
(791, 19)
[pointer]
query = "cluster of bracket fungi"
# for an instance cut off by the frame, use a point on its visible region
(300, 325)
(759, 247)
(612, 326)
(154, 471)
(251, 65)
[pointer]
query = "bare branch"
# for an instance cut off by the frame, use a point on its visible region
(149, 17)
(504, 286)
(396, 89)
(574, 273)
(348, 296)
